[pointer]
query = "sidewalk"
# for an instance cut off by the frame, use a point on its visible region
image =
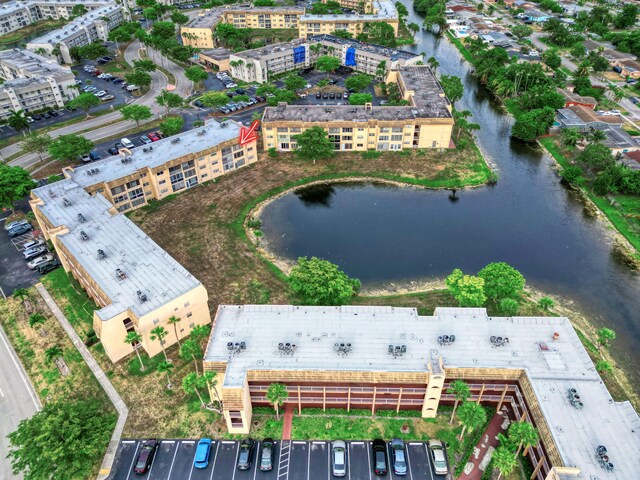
(287, 421)
(117, 401)
(487, 444)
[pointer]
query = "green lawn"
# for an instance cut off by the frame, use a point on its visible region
(463, 50)
(71, 298)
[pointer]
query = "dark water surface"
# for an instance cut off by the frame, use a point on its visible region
(383, 234)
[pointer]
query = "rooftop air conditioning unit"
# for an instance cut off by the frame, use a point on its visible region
(101, 254)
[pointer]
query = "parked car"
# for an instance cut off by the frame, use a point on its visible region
(94, 156)
(224, 110)
(107, 98)
(113, 151)
(84, 158)
(48, 266)
(244, 454)
(46, 115)
(332, 95)
(36, 242)
(325, 95)
(266, 454)
(132, 88)
(34, 252)
(199, 104)
(15, 223)
(146, 455)
(438, 457)
(30, 119)
(71, 109)
(37, 117)
(345, 95)
(118, 80)
(101, 93)
(201, 459)
(144, 139)
(379, 457)
(40, 260)
(19, 229)
(153, 136)
(127, 143)
(398, 457)
(53, 113)
(339, 458)
(240, 91)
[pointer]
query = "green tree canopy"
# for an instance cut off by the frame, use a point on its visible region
(509, 307)
(139, 78)
(37, 143)
(78, 10)
(276, 395)
(214, 99)
(281, 96)
(62, 440)
(379, 33)
(15, 183)
(342, 34)
(596, 156)
(501, 280)
(92, 51)
(136, 113)
(163, 30)
(172, 126)
(533, 123)
(313, 144)
(472, 415)
(357, 83)
(70, 147)
(179, 18)
(605, 336)
(294, 82)
(196, 73)
(169, 100)
(319, 282)
(460, 389)
(327, 64)
(551, 58)
(146, 65)
(360, 98)
(452, 87)
(85, 102)
(18, 121)
(264, 3)
(627, 17)
(521, 31)
(504, 460)
(466, 289)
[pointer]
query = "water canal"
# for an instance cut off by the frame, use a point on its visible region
(382, 234)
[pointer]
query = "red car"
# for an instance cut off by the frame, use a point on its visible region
(153, 136)
(145, 457)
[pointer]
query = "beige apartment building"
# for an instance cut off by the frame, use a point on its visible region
(426, 122)
(33, 82)
(360, 6)
(389, 358)
(172, 165)
(16, 14)
(259, 64)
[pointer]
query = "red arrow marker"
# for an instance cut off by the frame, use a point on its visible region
(248, 135)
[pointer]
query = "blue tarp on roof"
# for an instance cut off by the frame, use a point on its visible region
(299, 54)
(350, 61)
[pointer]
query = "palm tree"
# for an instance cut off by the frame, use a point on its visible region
(597, 136)
(52, 353)
(524, 434)
(461, 391)
(199, 333)
(36, 319)
(276, 395)
(460, 117)
(584, 68)
(472, 415)
(166, 367)
(571, 136)
(504, 460)
(158, 333)
(209, 381)
(18, 121)
(173, 320)
(190, 385)
(135, 338)
(21, 294)
(190, 350)
(433, 63)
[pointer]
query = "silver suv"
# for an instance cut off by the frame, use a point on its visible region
(438, 457)
(398, 457)
(339, 458)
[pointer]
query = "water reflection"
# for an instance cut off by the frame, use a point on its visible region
(316, 195)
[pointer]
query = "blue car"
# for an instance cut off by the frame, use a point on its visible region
(203, 449)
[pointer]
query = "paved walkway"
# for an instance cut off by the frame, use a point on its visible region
(487, 444)
(288, 420)
(117, 401)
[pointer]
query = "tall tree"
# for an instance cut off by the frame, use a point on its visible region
(433, 63)
(314, 144)
(136, 113)
(199, 334)
(190, 386)
(472, 415)
(18, 121)
(179, 18)
(52, 353)
(209, 380)
(215, 99)
(15, 183)
(139, 78)
(132, 338)
(62, 440)
(327, 64)
(21, 294)
(166, 367)
(37, 143)
(172, 126)
(85, 102)
(466, 289)
(571, 136)
(605, 336)
(276, 395)
(145, 64)
(159, 333)
(169, 100)
(190, 350)
(452, 87)
(358, 83)
(196, 74)
(461, 391)
(504, 460)
(70, 147)
(320, 282)
(36, 319)
(173, 320)
(501, 280)
(524, 435)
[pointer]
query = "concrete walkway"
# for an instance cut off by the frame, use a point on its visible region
(483, 451)
(115, 399)
(287, 422)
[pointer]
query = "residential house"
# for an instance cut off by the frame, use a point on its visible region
(573, 99)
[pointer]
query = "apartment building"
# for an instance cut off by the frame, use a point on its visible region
(172, 165)
(389, 358)
(263, 17)
(33, 82)
(258, 64)
(198, 33)
(16, 14)
(91, 27)
(360, 6)
(135, 283)
(426, 122)
(382, 11)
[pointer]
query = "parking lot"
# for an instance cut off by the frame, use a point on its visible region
(296, 460)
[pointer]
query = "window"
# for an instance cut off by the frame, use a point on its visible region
(189, 315)
(383, 138)
(156, 321)
(347, 130)
(161, 172)
(396, 138)
(284, 146)
(162, 182)
(117, 190)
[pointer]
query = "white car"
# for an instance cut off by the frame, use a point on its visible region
(616, 112)
(102, 75)
(36, 242)
(30, 120)
(127, 143)
(101, 93)
(15, 223)
(438, 457)
(131, 88)
(40, 260)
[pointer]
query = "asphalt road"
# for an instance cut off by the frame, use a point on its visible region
(297, 460)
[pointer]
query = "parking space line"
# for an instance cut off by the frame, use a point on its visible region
(369, 458)
(215, 457)
(308, 462)
(257, 460)
(174, 458)
(329, 461)
(430, 468)
(349, 461)
(408, 463)
(135, 456)
(128, 441)
(191, 470)
(235, 465)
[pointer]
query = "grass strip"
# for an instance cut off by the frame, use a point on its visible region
(463, 50)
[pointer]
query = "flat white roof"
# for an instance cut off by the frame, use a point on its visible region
(148, 268)
(553, 366)
(158, 153)
(385, 9)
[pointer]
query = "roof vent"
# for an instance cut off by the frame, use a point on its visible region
(201, 132)
(175, 140)
(83, 236)
(81, 218)
(66, 202)
(141, 296)
(102, 255)
(236, 348)
(287, 348)
(120, 275)
(128, 159)
(342, 349)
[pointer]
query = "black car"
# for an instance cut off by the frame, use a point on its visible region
(266, 454)
(46, 115)
(230, 94)
(36, 117)
(244, 454)
(240, 91)
(113, 151)
(198, 103)
(318, 95)
(332, 95)
(95, 156)
(48, 266)
(53, 113)
(325, 95)
(118, 80)
(338, 95)
(117, 146)
(145, 457)
(71, 109)
(379, 457)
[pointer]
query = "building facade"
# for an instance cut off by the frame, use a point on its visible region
(172, 165)
(33, 83)
(91, 27)
(426, 122)
(259, 64)
(263, 17)
(17, 14)
(360, 6)
(387, 358)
